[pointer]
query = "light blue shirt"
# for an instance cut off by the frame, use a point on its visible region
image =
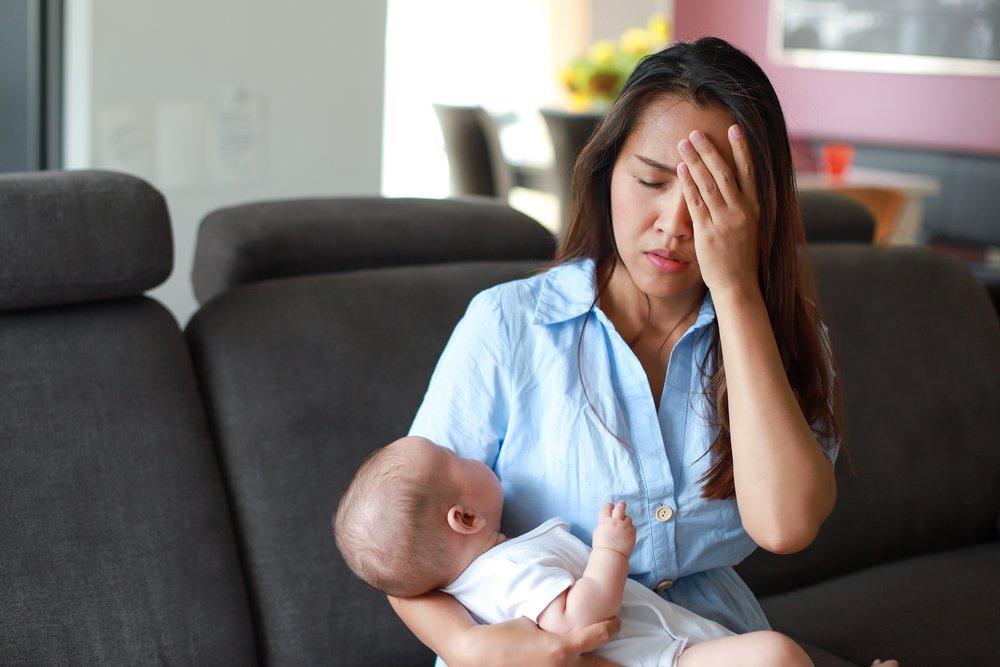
(507, 391)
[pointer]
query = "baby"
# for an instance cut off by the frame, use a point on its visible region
(417, 517)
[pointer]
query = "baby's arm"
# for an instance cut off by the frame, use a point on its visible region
(597, 595)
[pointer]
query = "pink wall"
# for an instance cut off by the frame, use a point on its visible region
(953, 113)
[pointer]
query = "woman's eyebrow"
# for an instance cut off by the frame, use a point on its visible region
(654, 164)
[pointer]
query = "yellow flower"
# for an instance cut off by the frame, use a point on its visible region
(636, 42)
(568, 77)
(605, 83)
(601, 52)
(579, 102)
(596, 77)
(659, 28)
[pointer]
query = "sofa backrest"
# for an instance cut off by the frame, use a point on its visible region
(296, 237)
(115, 535)
(304, 376)
(918, 344)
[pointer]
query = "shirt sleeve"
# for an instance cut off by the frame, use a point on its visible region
(467, 403)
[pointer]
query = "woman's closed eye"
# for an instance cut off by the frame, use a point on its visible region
(652, 174)
(652, 185)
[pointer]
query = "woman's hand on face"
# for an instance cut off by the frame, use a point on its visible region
(521, 642)
(724, 209)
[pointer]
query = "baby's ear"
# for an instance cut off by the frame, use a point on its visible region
(463, 522)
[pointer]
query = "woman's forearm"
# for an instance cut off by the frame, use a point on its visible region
(437, 620)
(445, 626)
(785, 486)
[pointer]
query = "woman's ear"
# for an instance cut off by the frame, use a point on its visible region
(463, 522)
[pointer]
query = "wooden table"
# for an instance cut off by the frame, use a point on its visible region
(895, 198)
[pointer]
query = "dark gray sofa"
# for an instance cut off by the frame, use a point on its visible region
(166, 495)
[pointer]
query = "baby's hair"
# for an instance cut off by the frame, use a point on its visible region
(390, 522)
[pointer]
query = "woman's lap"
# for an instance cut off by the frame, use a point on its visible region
(719, 595)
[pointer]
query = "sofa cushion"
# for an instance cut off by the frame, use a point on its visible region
(298, 237)
(821, 658)
(80, 236)
(116, 541)
(918, 344)
(304, 377)
(939, 609)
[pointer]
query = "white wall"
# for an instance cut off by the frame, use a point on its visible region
(504, 56)
(610, 18)
(221, 102)
(456, 52)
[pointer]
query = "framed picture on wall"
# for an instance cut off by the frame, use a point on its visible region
(902, 36)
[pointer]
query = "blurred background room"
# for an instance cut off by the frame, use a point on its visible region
(893, 102)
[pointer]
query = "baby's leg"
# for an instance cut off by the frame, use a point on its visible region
(763, 649)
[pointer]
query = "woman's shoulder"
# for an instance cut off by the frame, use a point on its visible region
(525, 296)
(517, 289)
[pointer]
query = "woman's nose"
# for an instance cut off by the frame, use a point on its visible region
(673, 218)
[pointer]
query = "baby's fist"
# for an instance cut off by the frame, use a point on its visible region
(614, 529)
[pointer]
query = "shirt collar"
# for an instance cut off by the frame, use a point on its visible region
(568, 290)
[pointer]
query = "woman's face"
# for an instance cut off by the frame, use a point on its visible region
(650, 219)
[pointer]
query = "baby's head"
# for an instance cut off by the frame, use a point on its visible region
(415, 515)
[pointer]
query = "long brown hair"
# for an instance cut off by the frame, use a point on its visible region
(714, 74)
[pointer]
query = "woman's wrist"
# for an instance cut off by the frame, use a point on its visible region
(736, 294)
(494, 645)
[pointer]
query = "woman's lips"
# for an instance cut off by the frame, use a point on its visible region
(666, 262)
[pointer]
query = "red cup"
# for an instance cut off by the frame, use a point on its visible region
(836, 159)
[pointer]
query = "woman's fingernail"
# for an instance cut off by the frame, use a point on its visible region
(697, 137)
(735, 132)
(685, 147)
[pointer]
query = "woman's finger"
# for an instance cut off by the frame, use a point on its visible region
(720, 177)
(697, 208)
(701, 175)
(593, 637)
(745, 176)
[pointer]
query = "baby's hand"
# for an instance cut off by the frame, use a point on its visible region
(615, 530)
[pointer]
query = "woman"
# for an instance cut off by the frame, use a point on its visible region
(672, 357)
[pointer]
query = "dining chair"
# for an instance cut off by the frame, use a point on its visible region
(569, 132)
(475, 167)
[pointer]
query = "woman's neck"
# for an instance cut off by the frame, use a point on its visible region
(650, 326)
(635, 314)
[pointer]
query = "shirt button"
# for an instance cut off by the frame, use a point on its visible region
(664, 585)
(663, 513)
